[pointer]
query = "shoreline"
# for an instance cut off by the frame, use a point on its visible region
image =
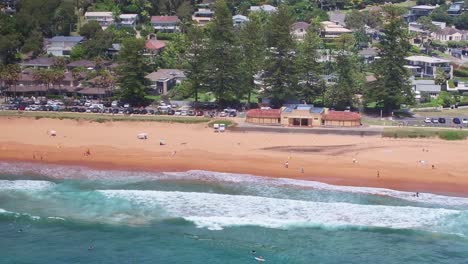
(323, 158)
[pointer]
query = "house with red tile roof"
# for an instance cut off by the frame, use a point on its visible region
(341, 119)
(264, 116)
(153, 46)
(166, 24)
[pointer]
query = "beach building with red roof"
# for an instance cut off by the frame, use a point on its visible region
(264, 116)
(303, 115)
(341, 119)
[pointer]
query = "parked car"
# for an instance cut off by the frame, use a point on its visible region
(223, 114)
(183, 113)
(199, 113)
(114, 104)
(170, 112)
(191, 113)
(435, 120)
(441, 120)
(427, 120)
(456, 121)
(465, 121)
(178, 112)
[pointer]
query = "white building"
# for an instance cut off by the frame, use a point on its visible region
(128, 20)
(332, 29)
(203, 16)
(104, 19)
(450, 34)
(239, 20)
(61, 46)
(265, 8)
(426, 67)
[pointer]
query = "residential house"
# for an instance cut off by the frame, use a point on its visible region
(114, 49)
(425, 86)
(38, 63)
(128, 20)
(87, 64)
(8, 6)
(105, 19)
(153, 46)
(203, 16)
(369, 55)
(450, 34)
(299, 30)
(426, 67)
(263, 8)
(418, 11)
(61, 46)
(167, 24)
(332, 29)
(456, 8)
(163, 80)
(239, 20)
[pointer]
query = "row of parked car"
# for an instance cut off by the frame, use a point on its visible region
(442, 120)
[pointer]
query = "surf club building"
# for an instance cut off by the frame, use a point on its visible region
(303, 115)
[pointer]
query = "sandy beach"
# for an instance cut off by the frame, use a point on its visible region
(402, 164)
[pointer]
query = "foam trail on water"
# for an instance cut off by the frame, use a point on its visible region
(215, 211)
(25, 185)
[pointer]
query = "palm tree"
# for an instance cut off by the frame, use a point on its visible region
(12, 75)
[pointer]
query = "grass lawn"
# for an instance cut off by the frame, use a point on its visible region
(460, 112)
(446, 134)
(101, 118)
(378, 122)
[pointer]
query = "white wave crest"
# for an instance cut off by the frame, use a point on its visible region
(428, 198)
(25, 185)
(215, 211)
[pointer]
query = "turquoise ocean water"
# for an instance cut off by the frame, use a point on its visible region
(48, 215)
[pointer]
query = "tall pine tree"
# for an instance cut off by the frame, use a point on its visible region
(280, 71)
(132, 72)
(252, 42)
(308, 65)
(223, 55)
(196, 61)
(392, 87)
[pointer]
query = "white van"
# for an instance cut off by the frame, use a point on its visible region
(216, 128)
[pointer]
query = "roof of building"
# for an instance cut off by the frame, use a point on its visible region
(303, 107)
(267, 8)
(98, 14)
(82, 63)
(341, 116)
(368, 52)
(423, 7)
(240, 17)
(164, 19)
(426, 59)
(426, 86)
(300, 25)
(123, 16)
(164, 74)
(66, 39)
(448, 31)
(41, 61)
(264, 113)
(154, 44)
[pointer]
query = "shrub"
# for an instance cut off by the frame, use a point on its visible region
(460, 72)
(452, 135)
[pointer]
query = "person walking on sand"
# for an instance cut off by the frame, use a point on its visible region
(302, 170)
(286, 165)
(378, 174)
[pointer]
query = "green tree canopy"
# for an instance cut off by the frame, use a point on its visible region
(132, 72)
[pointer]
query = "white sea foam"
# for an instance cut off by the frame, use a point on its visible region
(127, 176)
(215, 211)
(25, 185)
